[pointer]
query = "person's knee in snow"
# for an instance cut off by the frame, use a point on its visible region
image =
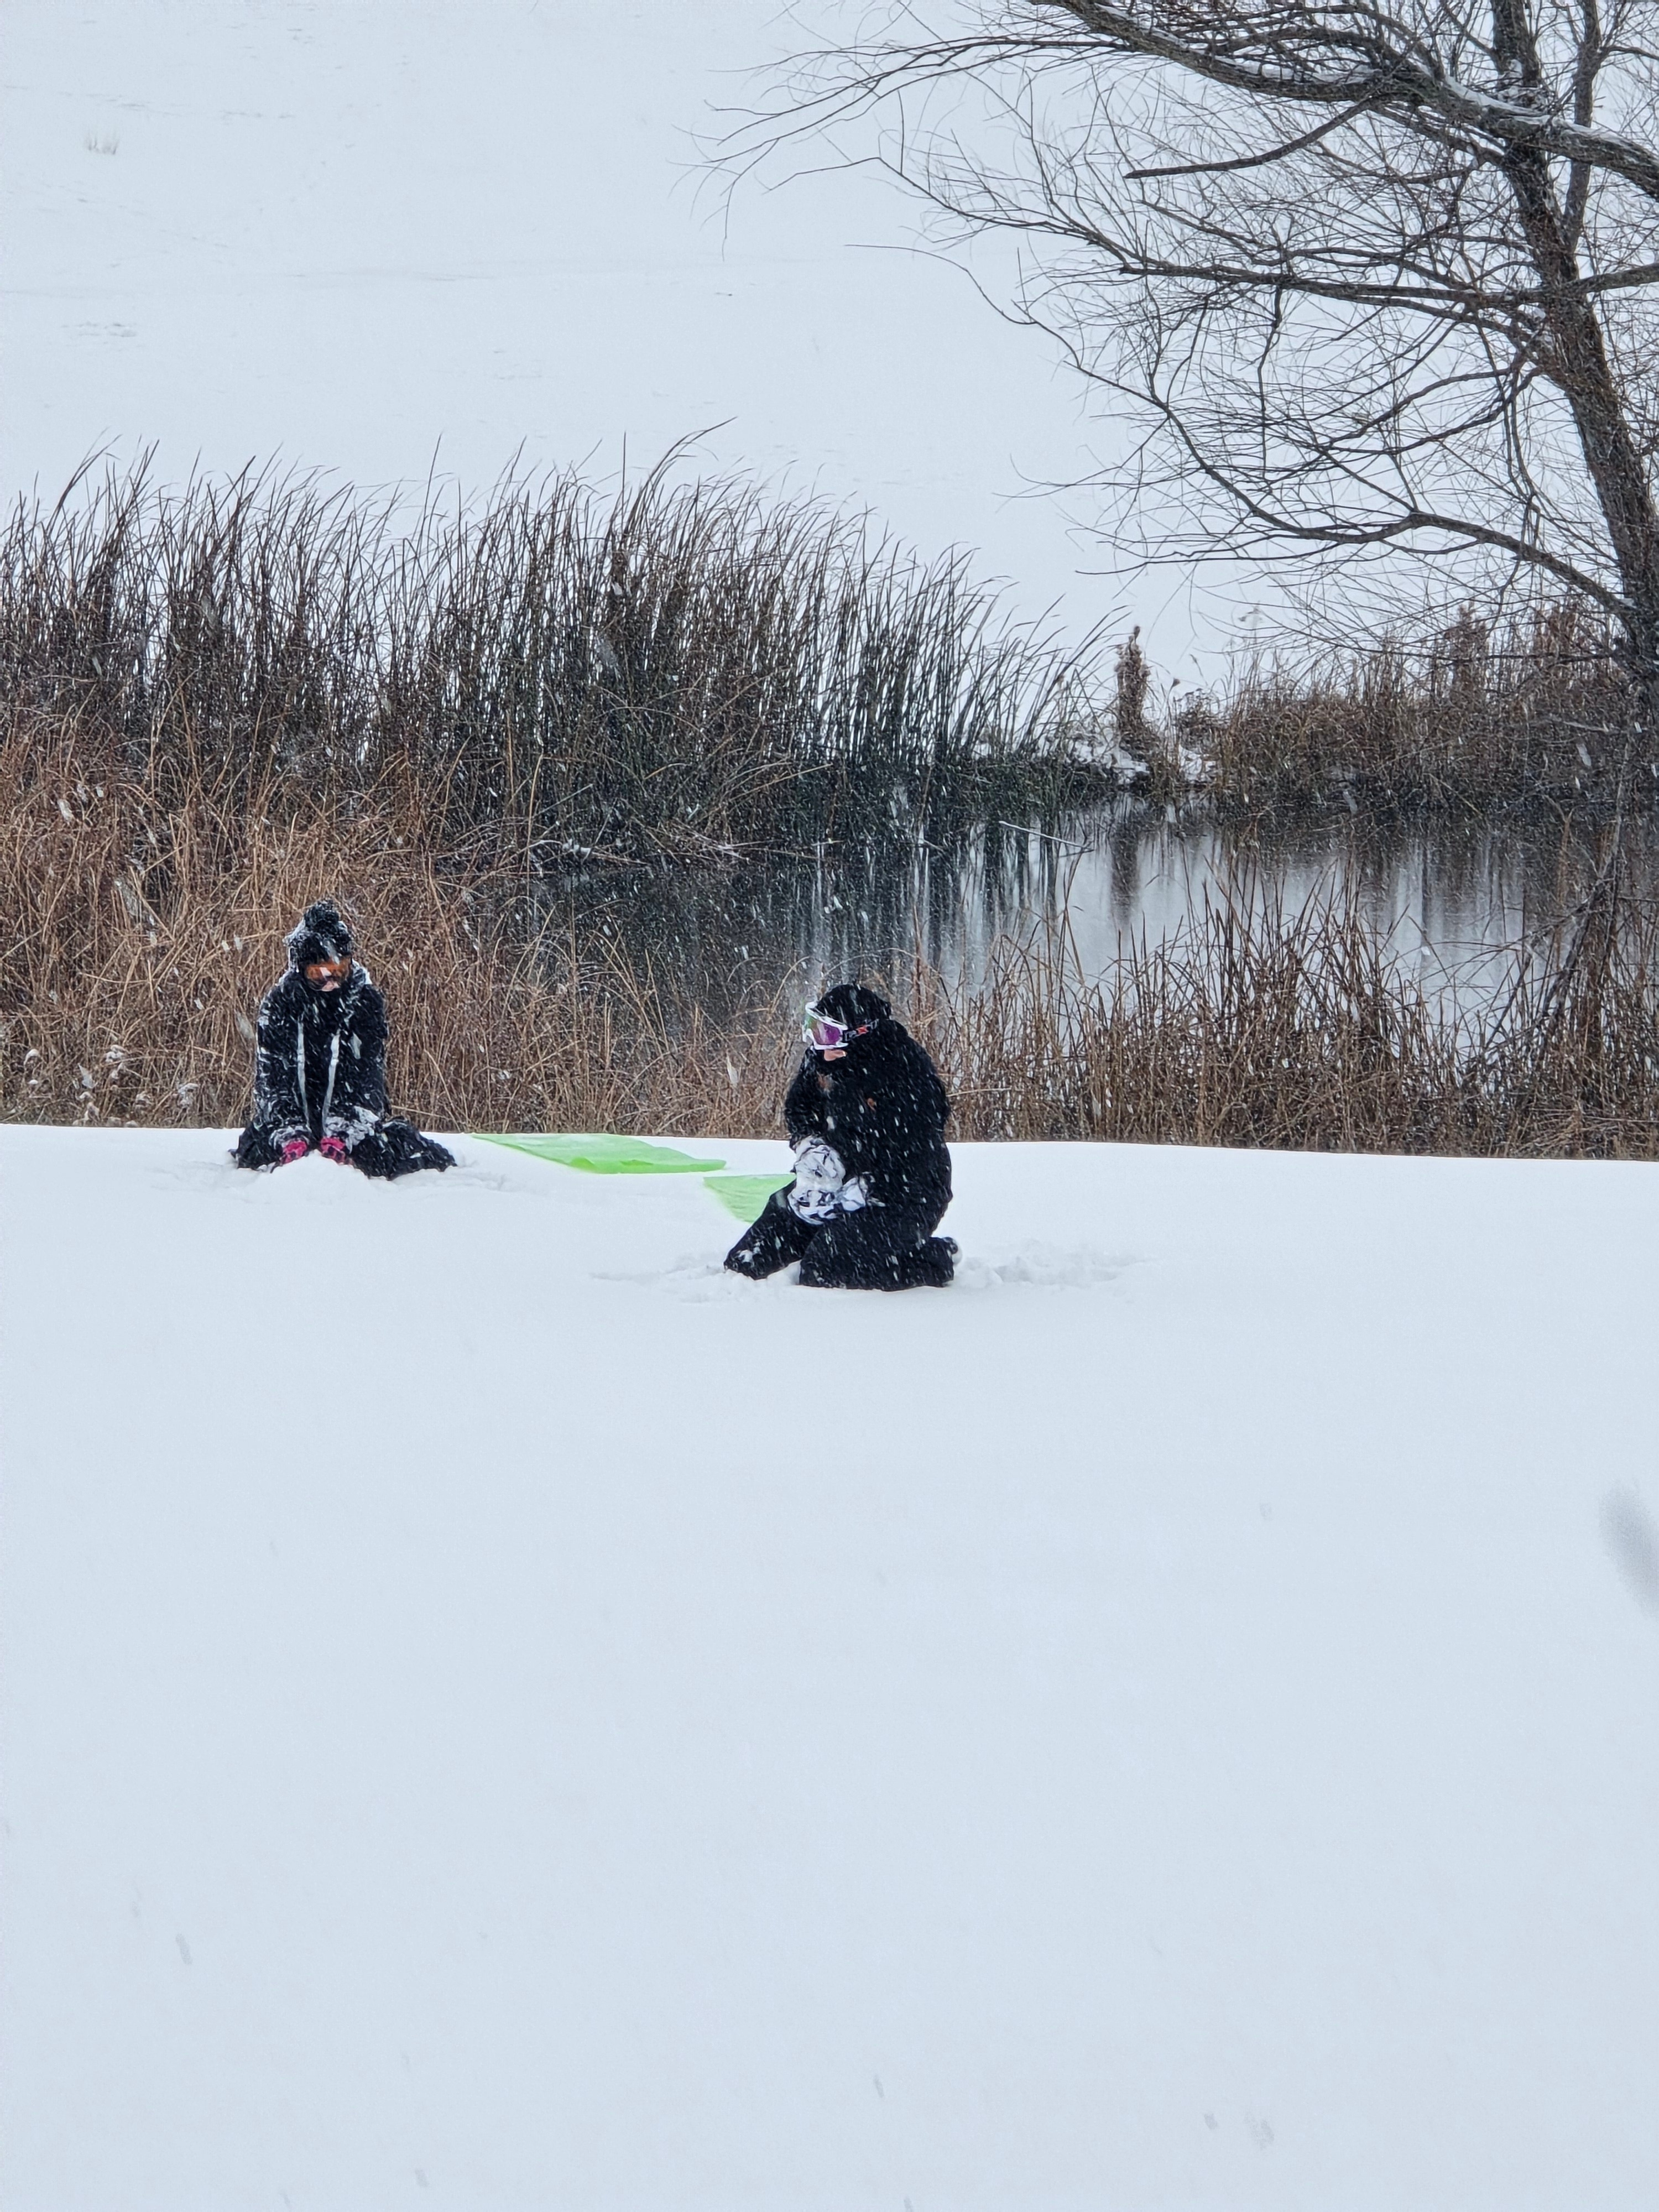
(865, 1115)
(884, 1250)
(319, 1063)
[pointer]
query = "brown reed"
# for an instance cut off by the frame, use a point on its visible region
(139, 936)
(681, 671)
(1472, 714)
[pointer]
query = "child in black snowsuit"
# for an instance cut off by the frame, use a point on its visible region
(320, 1072)
(867, 1116)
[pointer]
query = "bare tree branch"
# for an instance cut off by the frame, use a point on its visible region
(1428, 324)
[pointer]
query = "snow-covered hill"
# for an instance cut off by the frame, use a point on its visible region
(497, 1713)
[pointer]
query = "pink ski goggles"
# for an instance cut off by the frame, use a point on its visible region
(825, 1036)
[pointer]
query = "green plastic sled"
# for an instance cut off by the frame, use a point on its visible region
(745, 1195)
(604, 1155)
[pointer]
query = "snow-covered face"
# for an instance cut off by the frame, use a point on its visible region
(326, 975)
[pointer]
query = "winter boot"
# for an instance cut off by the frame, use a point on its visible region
(931, 1267)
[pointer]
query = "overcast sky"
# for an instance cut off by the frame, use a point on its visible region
(365, 235)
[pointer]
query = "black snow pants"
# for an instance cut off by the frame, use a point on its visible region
(879, 1247)
(390, 1150)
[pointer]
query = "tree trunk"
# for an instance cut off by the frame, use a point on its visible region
(1580, 365)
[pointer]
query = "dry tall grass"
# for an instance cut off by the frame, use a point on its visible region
(1538, 709)
(139, 940)
(1305, 1032)
(679, 671)
(139, 936)
(217, 705)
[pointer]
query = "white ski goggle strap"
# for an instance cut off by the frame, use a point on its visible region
(826, 1036)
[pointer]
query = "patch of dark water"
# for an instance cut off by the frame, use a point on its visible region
(1450, 900)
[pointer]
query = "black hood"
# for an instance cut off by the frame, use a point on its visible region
(854, 1004)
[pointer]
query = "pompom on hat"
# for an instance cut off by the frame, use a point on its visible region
(322, 933)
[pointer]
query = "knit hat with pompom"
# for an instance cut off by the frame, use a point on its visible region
(323, 934)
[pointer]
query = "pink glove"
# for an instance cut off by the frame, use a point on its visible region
(333, 1148)
(295, 1149)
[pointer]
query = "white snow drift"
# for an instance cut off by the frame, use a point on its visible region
(498, 1713)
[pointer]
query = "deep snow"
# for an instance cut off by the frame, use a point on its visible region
(498, 1713)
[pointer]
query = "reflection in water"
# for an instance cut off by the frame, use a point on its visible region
(1450, 899)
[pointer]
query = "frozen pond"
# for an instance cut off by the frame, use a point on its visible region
(1452, 899)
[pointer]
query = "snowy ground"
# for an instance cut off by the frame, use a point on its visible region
(499, 1714)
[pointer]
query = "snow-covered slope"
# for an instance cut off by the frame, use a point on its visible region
(499, 1714)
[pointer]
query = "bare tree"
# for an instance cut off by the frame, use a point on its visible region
(1378, 275)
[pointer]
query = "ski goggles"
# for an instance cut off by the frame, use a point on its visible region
(327, 971)
(826, 1036)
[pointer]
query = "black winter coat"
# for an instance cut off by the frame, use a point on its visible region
(321, 1067)
(883, 1109)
